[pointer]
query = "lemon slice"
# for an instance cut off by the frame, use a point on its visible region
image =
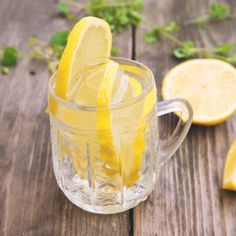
(139, 144)
(90, 38)
(123, 155)
(133, 148)
(108, 152)
(229, 179)
(130, 154)
(208, 84)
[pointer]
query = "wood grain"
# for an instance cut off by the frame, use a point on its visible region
(30, 201)
(188, 199)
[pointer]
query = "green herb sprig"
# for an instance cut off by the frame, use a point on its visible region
(48, 52)
(216, 12)
(225, 52)
(187, 49)
(119, 14)
(161, 31)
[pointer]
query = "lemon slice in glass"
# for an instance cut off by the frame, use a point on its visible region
(90, 38)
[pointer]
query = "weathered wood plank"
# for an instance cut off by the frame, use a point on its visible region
(188, 199)
(30, 201)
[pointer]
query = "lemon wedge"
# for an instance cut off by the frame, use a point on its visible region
(208, 84)
(229, 178)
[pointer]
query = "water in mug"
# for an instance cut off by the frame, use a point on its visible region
(110, 167)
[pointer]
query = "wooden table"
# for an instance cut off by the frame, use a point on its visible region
(187, 200)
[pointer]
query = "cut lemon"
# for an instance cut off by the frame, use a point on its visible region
(133, 165)
(108, 150)
(208, 84)
(229, 179)
(90, 38)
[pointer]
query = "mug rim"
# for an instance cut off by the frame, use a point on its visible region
(113, 106)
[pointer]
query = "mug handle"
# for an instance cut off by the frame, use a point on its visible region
(185, 112)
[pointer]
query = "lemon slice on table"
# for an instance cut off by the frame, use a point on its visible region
(208, 84)
(229, 178)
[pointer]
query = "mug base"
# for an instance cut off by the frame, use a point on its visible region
(101, 201)
(105, 210)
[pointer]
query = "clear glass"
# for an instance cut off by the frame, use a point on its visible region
(97, 175)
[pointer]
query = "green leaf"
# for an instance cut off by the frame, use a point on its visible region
(5, 70)
(10, 56)
(115, 51)
(172, 27)
(59, 38)
(224, 49)
(58, 51)
(219, 11)
(63, 8)
(185, 51)
(119, 14)
(153, 36)
(150, 37)
(138, 5)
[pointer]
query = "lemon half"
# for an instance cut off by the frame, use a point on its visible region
(208, 84)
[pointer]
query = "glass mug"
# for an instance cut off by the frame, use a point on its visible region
(109, 171)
